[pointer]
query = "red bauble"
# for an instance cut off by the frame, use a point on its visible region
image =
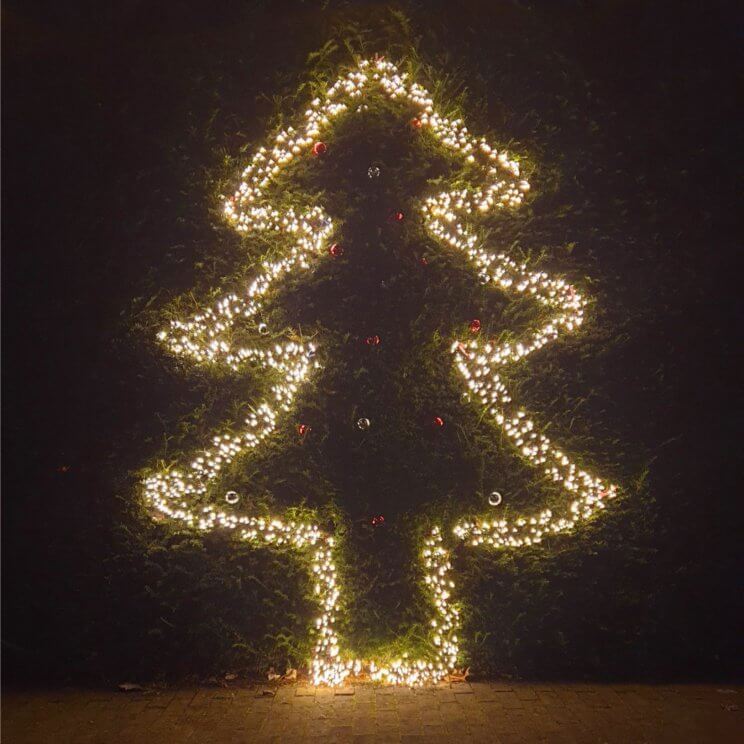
(398, 216)
(373, 340)
(417, 123)
(336, 250)
(475, 325)
(424, 261)
(320, 148)
(378, 521)
(302, 429)
(438, 422)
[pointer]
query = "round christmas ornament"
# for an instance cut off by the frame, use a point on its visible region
(373, 340)
(263, 329)
(416, 123)
(373, 172)
(495, 498)
(336, 250)
(232, 497)
(438, 422)
(302, 429)
(475, 325)
(378, 520)
(397, 216)
(320, 148)
(363, 424)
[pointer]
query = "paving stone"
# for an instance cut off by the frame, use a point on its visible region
(479, 712)
(305, 691)
(462, 688)
(365, 725)
(508, 699)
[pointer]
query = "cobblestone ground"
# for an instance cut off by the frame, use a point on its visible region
(483, 712)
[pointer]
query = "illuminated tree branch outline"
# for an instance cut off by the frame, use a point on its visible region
(207, 339)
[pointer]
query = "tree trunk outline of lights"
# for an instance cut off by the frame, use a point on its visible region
(206, 339)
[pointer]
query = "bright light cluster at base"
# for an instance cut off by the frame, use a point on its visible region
(213, 337)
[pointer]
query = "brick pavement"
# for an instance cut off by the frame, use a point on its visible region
(479, 712)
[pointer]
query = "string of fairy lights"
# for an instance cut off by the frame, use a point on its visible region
(216, 336)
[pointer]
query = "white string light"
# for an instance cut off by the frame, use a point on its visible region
(211, 337)
(479, 364)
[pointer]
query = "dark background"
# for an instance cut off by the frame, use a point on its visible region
(121, 123)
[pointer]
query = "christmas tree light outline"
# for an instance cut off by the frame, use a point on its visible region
(206, 339)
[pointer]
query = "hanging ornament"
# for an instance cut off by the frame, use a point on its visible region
(495, 498)
(438, 422)
(373, 172)
(320, 148)
(363, 424)
(336, 250)
(378, 520)
(475, 325)
(232, 497)
(373, 340)
(263, 329)
(417, 123)
(397, 216)
(303, 429)
(424, 261)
